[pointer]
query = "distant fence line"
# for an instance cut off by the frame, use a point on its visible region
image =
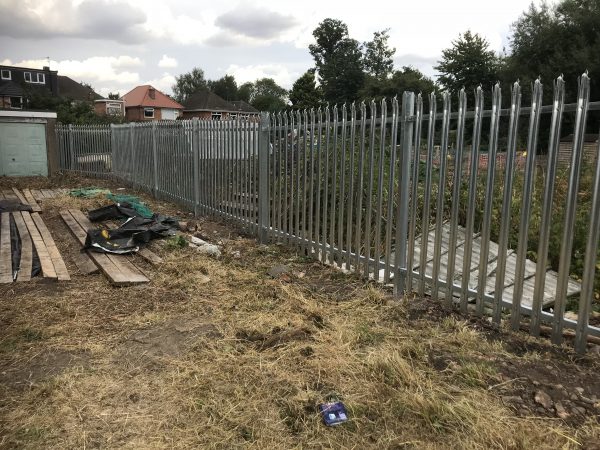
(342, 184)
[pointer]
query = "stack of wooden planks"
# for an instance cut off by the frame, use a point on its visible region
(33, 234)
(117, 268)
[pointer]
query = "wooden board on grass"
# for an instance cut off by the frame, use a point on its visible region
(26, 262)
(48, 270)
(31, 201)
(37, 195)
(116, 268)
(6, 275)
(59, 265)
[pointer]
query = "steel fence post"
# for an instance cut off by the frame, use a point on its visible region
(263, 179)
(195, 150)
(71, 150)
(406, 120)
(154, 161)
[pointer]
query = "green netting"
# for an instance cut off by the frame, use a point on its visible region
(88, 192)
(135, 202)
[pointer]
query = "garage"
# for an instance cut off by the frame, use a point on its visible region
(24, 143)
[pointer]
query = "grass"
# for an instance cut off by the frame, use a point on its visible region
(243, 360)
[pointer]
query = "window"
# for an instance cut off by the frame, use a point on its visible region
(216, 116)
(35, 77)
(149, 113)
(233, 116)
(16, 102)
(6, 74)
(115, 109)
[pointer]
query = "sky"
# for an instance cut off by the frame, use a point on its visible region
(115, 45)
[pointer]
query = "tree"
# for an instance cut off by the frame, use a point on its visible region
(305, 93)
(405, 79)
(267, 95)
(114, 96)
(468, 63)
(378, 59)
(188, 83)
(225, 87)
(245, 91)
(338, 60)
(553, 40)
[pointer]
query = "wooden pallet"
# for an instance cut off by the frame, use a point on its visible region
(33, 234)
(117, 268)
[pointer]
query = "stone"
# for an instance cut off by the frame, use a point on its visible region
(512, 399)
(579, 410)
(561, 411)
(277, 271)
(542, 398)
(579, 389)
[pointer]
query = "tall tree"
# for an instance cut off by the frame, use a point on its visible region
(553, 40)
(305, 93)
(225, 87)
(245, 91)
(188, 83)
(114, 96)
(339, 61)
(379, 55)
(468, 63)
(267, 95)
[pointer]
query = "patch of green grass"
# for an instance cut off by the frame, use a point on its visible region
(31, 335)
(367, 336)
(30, 434)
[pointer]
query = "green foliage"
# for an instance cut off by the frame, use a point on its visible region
(305, 93)
(267, 95)
(245, 92)
(468, 63)
(188, 83)
(378, 59)
(225, 87)
(114, 96)
(405, 79)
(67, 111)
(550, 40)
(338, 60)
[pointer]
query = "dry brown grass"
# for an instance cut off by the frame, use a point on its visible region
(244, 360)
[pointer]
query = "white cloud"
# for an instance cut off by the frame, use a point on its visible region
(279, 72)
(167, 63)
(163, 83)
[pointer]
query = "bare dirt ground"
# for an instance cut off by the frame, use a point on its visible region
(238, 352)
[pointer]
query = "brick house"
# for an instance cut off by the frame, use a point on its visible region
(109, 107)
(209, 106)
(146, 103)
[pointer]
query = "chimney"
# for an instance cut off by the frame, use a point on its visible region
(46, 68)
(152, 93)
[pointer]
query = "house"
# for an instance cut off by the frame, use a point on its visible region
(109, 107)
(145, 103)
(207, 105)
(74, 91)
(18, 82)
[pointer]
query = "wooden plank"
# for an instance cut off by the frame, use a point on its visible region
(118, 269)
(47, 193)
(59, 265)
(6, 275)
(84, 263)
(20, 196)
(37, 194)
(26, 262)
(48, 270)
(82, 260)
(10, 195)
(31, 201)
(131, 272)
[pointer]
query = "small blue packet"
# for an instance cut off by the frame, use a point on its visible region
(333, 413)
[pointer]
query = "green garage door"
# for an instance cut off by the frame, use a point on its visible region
(23, 149)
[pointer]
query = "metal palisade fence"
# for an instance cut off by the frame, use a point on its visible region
(471, 206)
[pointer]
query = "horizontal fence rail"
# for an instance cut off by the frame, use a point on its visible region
(495, 211)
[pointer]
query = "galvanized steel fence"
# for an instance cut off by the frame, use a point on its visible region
(356, 186)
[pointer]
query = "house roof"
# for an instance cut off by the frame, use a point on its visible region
(140, 96)
(207, 101)
(242, 106)
(71, 89)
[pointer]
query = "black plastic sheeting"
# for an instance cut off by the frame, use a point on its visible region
(13, 205)
(15, 251)
(131, 235)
